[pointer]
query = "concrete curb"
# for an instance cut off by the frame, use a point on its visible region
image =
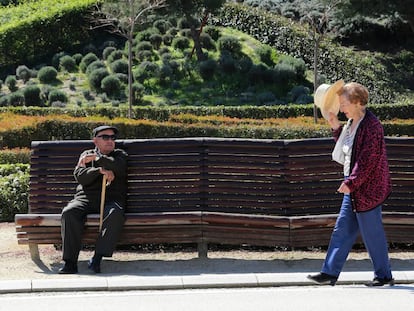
(204, 281)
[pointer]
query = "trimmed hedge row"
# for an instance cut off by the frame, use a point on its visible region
(163, 113)
(71, 129)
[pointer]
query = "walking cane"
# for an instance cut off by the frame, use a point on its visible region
(101, 212)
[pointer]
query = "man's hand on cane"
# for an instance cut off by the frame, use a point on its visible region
(110, 176)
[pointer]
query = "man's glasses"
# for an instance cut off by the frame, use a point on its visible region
(107, 137)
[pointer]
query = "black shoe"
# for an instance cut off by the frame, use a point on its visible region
(380, 282)
(323, 278)
(94, 266)
(69, 268)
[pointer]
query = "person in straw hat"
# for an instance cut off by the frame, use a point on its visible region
(101, 173)
(360, 148)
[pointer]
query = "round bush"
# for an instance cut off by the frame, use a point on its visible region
(11, 83)
(207, 69)
(162, 25)
(230, 44)
(57, 96)
(67, 63)
(207, 42)
(96, 77)
(146, 70)
(144, 46)
(156, 40)
(167, 39)
(87, 60)
(16, 99)
(47, 74)
(23, 73)
(115, 55)
(97, 64)
(31, 95)
(181, 43)
(107, 51)
(78, 58)
(119, 66)
(214, 32)
(56, 59)
(122, 77)
(111, 85)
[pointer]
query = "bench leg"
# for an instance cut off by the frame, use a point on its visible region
(202, 248)
(34, 251)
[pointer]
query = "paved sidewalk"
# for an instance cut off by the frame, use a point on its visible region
(135, 270)
(104, 282)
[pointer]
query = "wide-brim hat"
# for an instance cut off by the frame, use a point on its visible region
(327, 99)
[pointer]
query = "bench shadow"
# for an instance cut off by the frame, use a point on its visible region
(198, 266)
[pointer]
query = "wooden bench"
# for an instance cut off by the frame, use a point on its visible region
(216, 191)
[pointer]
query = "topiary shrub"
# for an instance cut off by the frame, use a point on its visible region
(230, 44)
(207, 69)
(87, 60)
(31, 95)
(156, 40)
(181, 43)
(57, 96)
(119, 66)
(47, 74)
(23, 73)
(97, 64)
(95, 78)
(107, 51)
(11, 83)
(68, 63)
(115, 55)
(146, 70)
(111, 85)
(16, 99)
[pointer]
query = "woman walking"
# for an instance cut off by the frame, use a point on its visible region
(360, 148)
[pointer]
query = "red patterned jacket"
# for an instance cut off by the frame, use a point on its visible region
(369, 180)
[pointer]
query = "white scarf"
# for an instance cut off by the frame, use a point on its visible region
(337, 153)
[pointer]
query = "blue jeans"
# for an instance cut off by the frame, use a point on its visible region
(343, 237)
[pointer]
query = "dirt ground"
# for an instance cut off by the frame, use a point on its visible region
(16, 262)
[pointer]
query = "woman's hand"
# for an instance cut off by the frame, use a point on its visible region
(343, 188)
(333, 121)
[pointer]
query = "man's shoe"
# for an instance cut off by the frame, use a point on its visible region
(94, 266)
(323, 278)
(69, 268)
(380, 282)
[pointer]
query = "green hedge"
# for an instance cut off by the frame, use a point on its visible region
(37, 28)
(383, 111)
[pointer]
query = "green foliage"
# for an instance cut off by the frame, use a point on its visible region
(23, 73)
(11, 83)
(230, 44)
(15, 156)
(57, 96)
(31, 95)
(95, 78)
(87, 60)
(111, 85)
(34, 28)
(47, 74)
(14, 186)
(68, 63)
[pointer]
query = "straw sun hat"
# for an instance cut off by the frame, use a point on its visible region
(326, 98)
